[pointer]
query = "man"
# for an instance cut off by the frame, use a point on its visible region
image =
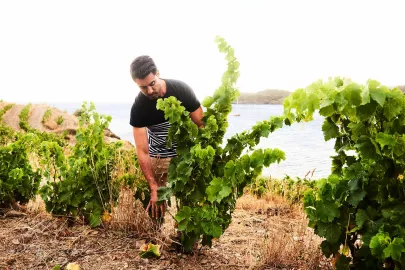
(150, 128)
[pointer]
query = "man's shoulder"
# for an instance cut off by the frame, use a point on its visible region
(177, 84)
(139, 100)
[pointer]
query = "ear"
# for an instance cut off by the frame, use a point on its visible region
(158, 74)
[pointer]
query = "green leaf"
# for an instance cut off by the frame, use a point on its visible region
(361, 218)
(329, 128)
(164, 194)
(328, 249)
(358, 130)
(378, 243)
(229, 169)
(366, 147)
(217, 190)
(183, 214)
(149, 251)
(95, 219)
(353, 93)
(331, 231)
(367, 111)
(327, 211)
(356, 197)
(376, 93)
(256, 159)
(207, 102)
(395, 249)
(394, 104)
(327, 110)
(385, 140)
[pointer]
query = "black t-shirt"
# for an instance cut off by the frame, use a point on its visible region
(145, 114)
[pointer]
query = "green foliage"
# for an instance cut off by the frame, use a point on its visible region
(59, 120)
(139, 185)
(82, 184)
(24, 115)
(207, 177)
(4, 110)
(291, 189)
(47, 115)
(7, 135)
(19, 182)
(363, 199)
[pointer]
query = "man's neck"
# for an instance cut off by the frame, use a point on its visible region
(164, 88)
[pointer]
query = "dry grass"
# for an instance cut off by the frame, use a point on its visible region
(288, 242)
(291, 244)
(130, 215)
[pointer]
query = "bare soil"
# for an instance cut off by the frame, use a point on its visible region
(35, 240)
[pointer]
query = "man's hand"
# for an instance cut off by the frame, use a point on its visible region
(156, 210)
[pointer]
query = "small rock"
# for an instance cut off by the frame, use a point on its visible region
(212, 264)
(204, 261)
(15, 241)
(75, 252)
(145, 261)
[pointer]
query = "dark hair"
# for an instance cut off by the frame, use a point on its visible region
(142, 66)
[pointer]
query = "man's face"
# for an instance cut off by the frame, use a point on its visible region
(150, 86)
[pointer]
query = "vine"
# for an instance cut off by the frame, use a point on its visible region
(359, 208)
(206, 177)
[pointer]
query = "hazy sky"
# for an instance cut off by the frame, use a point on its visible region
(81, 50)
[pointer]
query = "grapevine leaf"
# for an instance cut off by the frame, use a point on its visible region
(183, 214)
(356, 197)
(229, 169)
(361, 218)
(207, 102)
(378, 243)
(377, 94)
(365, 96)
(164, 194)
(327, 110)
(330, 130)
(328, 249)
(327, 211)
(395, 249)
(217, 190)
(149, 251)
(366, 147)
(385, 140)
(331, 231)
(358, 130)
(95, 219)
(394, 104)
(353, 94)
(256, 159)
(366, 111)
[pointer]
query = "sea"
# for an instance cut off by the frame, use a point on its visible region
(307, 153)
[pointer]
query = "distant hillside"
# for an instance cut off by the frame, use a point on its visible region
(269, 96)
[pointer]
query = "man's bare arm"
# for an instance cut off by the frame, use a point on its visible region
(142, 150)
(197, 116)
